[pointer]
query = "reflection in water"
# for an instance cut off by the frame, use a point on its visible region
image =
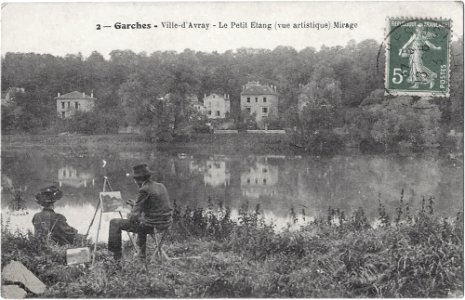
(259, 179)
(216, 173)
(72, 177)
(277, 183)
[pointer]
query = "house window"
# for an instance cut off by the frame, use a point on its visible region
(76, 105)
(265, 110)
(217, 113)
(64, 172)
(209, 112)
(265, 170)
(62, 114)
(256, 99)
(264, 181)
(248, 109)
(248, 99)
(248, 180)
(62, 104)
(264, 99)
(69, 104)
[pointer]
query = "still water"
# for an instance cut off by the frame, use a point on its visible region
(307, 185)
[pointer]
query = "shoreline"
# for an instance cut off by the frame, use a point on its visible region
(201, 143)
(249, 259)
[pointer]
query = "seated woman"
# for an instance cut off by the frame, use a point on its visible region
(48, 223)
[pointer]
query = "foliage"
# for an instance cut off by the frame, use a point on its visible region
(246, 121)
(90, 123)
(128, 84)
(420, 256)
(315, 130)
(273, 122)
(375, 97)
(322, 89)
(404, 120)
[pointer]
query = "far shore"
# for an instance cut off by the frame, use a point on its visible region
(199, 143)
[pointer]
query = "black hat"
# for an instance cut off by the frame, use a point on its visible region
(141, 171)
(49, 195)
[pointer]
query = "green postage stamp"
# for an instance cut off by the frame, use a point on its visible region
(418, 57)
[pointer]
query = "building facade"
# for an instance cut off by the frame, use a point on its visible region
(259, 100)
(69, 104)
(217, 106)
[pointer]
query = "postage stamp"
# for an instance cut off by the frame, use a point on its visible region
(418, 57)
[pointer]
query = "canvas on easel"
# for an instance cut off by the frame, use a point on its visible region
(112, 202)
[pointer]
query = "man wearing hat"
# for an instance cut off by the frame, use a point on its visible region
(152, 209)
(48, 223)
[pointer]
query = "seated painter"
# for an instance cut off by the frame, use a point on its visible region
(152, 210)
(48, 223)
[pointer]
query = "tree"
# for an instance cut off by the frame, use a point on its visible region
(182, 83)
(322, 89)
(316, 130)
(456, 84)
(246, 121)
(402, 120)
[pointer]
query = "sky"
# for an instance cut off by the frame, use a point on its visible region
(69, 28)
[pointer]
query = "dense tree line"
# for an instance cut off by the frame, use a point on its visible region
(129, 85)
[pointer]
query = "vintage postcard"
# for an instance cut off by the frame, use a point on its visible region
(259, 149)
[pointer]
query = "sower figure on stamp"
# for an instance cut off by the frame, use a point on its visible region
(152, 210)
(419, 43)
(48, 223)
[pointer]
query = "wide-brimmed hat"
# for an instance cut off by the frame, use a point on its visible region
(49, 195)
(141, 171)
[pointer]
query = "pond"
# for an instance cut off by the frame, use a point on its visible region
(282, 186)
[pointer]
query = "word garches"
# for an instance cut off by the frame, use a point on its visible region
(137, 25)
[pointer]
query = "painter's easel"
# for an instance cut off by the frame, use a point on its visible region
(106, 183)
(99, 205)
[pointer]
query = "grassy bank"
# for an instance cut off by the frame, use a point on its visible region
(416, 255)
(198, 143)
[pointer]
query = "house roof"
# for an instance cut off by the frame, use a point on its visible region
(257, 89)
(220, 96)
(75, 95)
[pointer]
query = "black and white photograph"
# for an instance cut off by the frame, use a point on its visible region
(266, 149)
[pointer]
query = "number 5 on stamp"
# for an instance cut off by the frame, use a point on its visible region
(418, 57)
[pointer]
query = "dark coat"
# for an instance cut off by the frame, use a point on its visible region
(153, 207)
(49, 222)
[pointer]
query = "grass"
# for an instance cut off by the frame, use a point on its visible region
(416, 255)
(199, 143)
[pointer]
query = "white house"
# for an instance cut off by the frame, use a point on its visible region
(218, 106)
(68, 104)
(259, 99)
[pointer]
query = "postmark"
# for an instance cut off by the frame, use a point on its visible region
(418, 57)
